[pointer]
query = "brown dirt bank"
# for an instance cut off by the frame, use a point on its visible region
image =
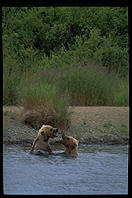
(91, 125)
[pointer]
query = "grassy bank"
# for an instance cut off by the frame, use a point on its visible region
(50, 91)
(80, 85)
(54, 57)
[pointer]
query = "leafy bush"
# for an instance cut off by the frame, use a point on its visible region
(56, 45)
(112, 56)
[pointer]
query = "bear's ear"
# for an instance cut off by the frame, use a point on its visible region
(77, 141)
(41, 128)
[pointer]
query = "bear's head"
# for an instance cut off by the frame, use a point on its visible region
(47, 131)
(70, 144)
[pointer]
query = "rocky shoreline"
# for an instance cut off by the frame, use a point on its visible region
(90, 125)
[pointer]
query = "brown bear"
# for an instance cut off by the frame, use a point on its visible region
(70, 144)
(41, 141)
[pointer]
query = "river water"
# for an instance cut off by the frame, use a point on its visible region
(96, 170)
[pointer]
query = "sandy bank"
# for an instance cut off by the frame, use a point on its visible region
(91, 125)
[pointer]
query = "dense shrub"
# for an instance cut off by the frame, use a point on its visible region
(112, 56)
(78, 84)
(87, 86)
(46, 104)
(59, 44)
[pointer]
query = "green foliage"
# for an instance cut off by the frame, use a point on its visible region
(108, 125)
(45, 99)
(123, 128)
(122, 95)
(47, 29)
(60, 43)
(112, 56)
(87, 86)
(10, 86)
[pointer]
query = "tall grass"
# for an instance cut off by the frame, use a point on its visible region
(10, 87)
(82, 85)
(122, 94)
(87, 86)
(78, 84)
(48, 92)
(46, 101)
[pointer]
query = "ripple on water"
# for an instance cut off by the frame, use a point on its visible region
(96, 170)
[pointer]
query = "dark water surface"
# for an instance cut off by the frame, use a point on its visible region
(96, 170)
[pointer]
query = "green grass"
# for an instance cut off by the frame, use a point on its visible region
(10, 87)
(80, 85)
(122, 95)
(107, 125)
(46, 100)
(123, 128)
(89, 86)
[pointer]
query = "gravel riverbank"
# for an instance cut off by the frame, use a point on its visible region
(90, 125)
